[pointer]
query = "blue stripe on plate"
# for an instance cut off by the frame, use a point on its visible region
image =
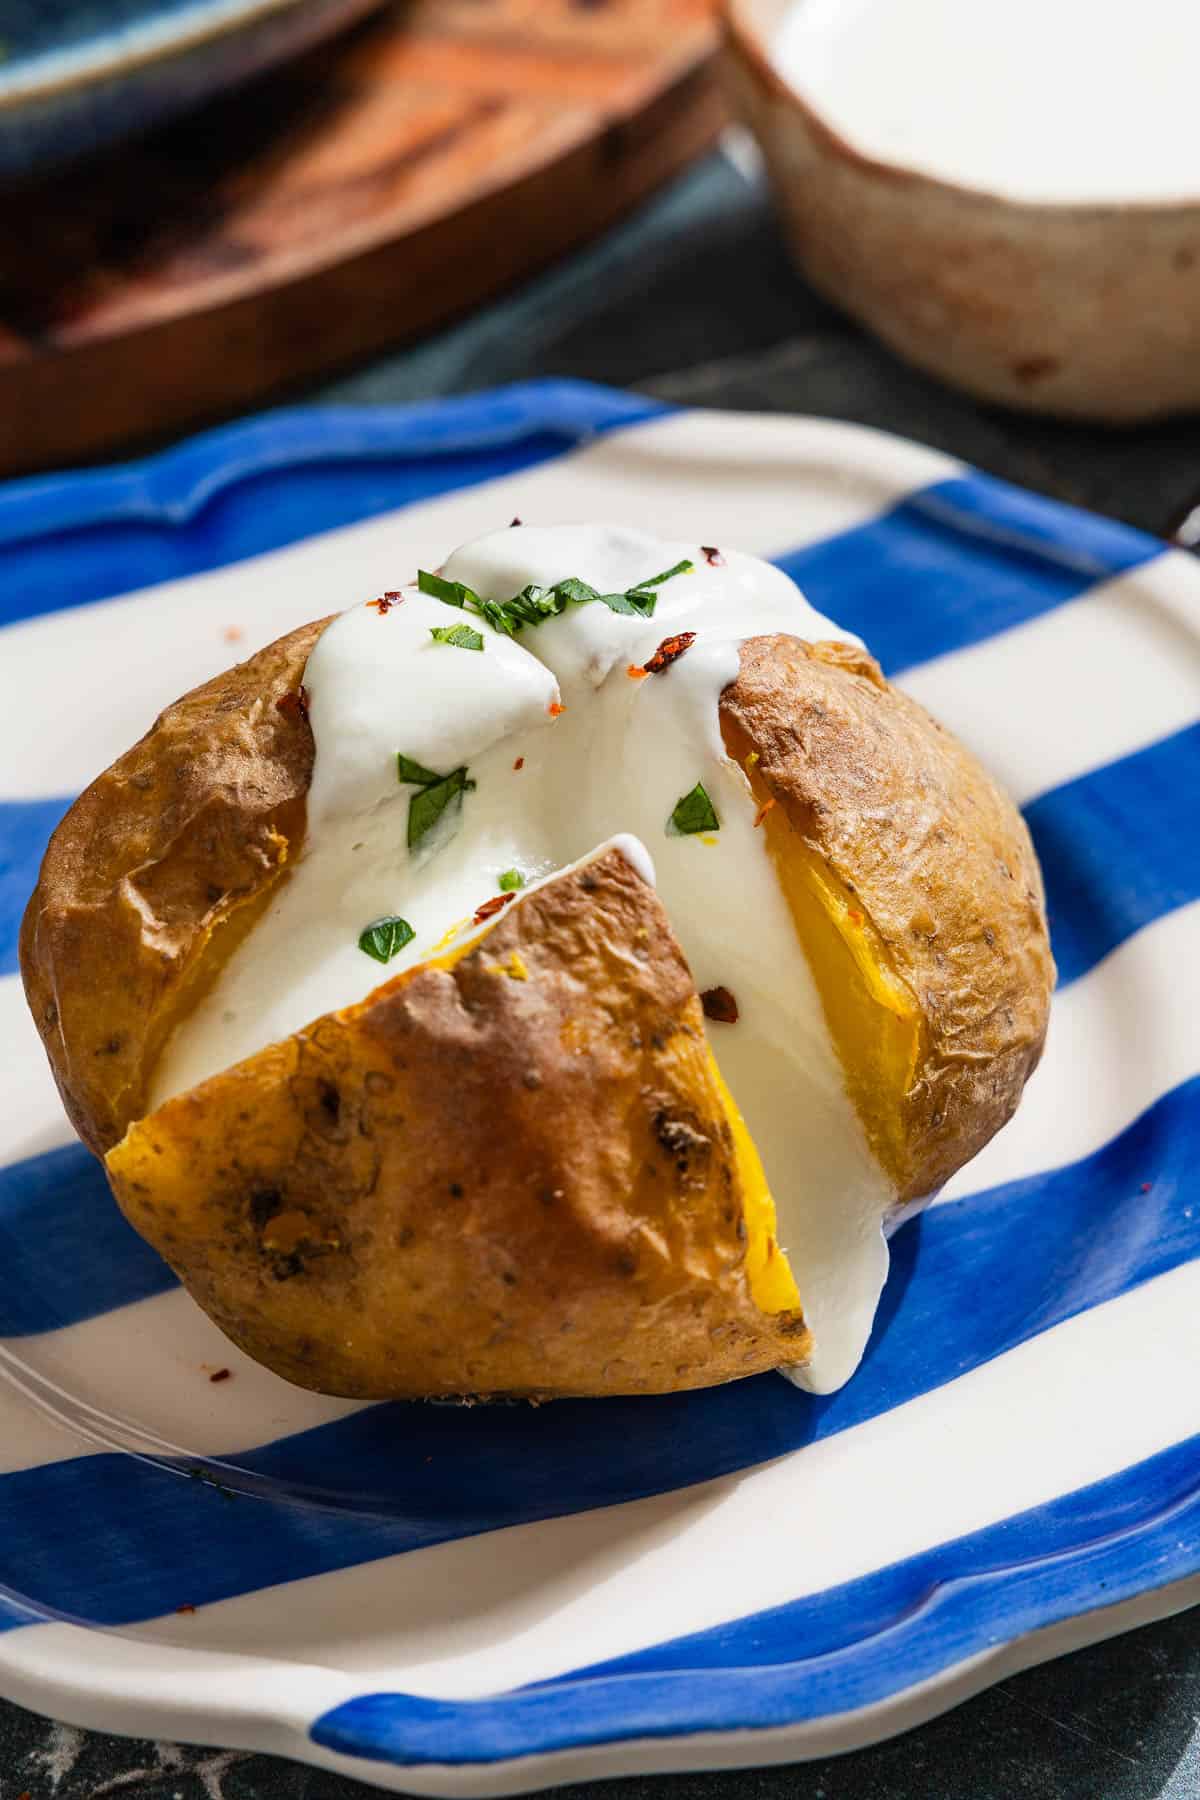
(983, 556)
(25, 827)
(1119, 1537)
(66, 1251)
(233, 493)
(419, 1475)
(1119, 847)
(957, 562)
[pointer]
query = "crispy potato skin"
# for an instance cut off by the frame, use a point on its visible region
(904, 819)
(476, 1181)
(151, 879)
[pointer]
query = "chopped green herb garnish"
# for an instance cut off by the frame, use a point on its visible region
(639, 599)
(463, 637)
(534, 604)
(386, 937)
(580, 592)
(427, 807)
(684, 567)
(510, 881)
(437, 791)
(452, 592)
(415, 772)
(694, 812)
(634, 601)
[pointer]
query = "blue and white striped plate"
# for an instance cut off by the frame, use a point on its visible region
(478, 1601)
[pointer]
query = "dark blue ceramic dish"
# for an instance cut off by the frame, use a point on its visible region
(76, 74)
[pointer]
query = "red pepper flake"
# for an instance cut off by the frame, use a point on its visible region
(221, 1375)
(520, 763)
(178, 1609)
(385, 602)
(719, 1004)
(1146, 1187)
(556, 709)
(712, 555)
(635, 672)
(764, 809)
(491, 907)
(855, 917)
(669, 651)
(293, 705)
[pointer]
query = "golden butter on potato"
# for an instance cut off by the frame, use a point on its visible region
(378, 974)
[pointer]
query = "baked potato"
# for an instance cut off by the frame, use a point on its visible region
(514, 1166)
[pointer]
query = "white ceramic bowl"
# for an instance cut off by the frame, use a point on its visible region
(1084, 310)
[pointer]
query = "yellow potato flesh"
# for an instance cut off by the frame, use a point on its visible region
(772, 1284)
(873, 1016)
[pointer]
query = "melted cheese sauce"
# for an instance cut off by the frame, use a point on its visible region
(1040, 100)
(566, 751)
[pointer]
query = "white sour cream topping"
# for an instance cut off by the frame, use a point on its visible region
(1040, 100)
(615, 761)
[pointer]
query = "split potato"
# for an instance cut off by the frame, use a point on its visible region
(514, 1168)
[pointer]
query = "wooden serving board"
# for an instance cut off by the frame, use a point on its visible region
(367, 193)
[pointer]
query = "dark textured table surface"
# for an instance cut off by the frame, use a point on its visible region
(694, 301)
